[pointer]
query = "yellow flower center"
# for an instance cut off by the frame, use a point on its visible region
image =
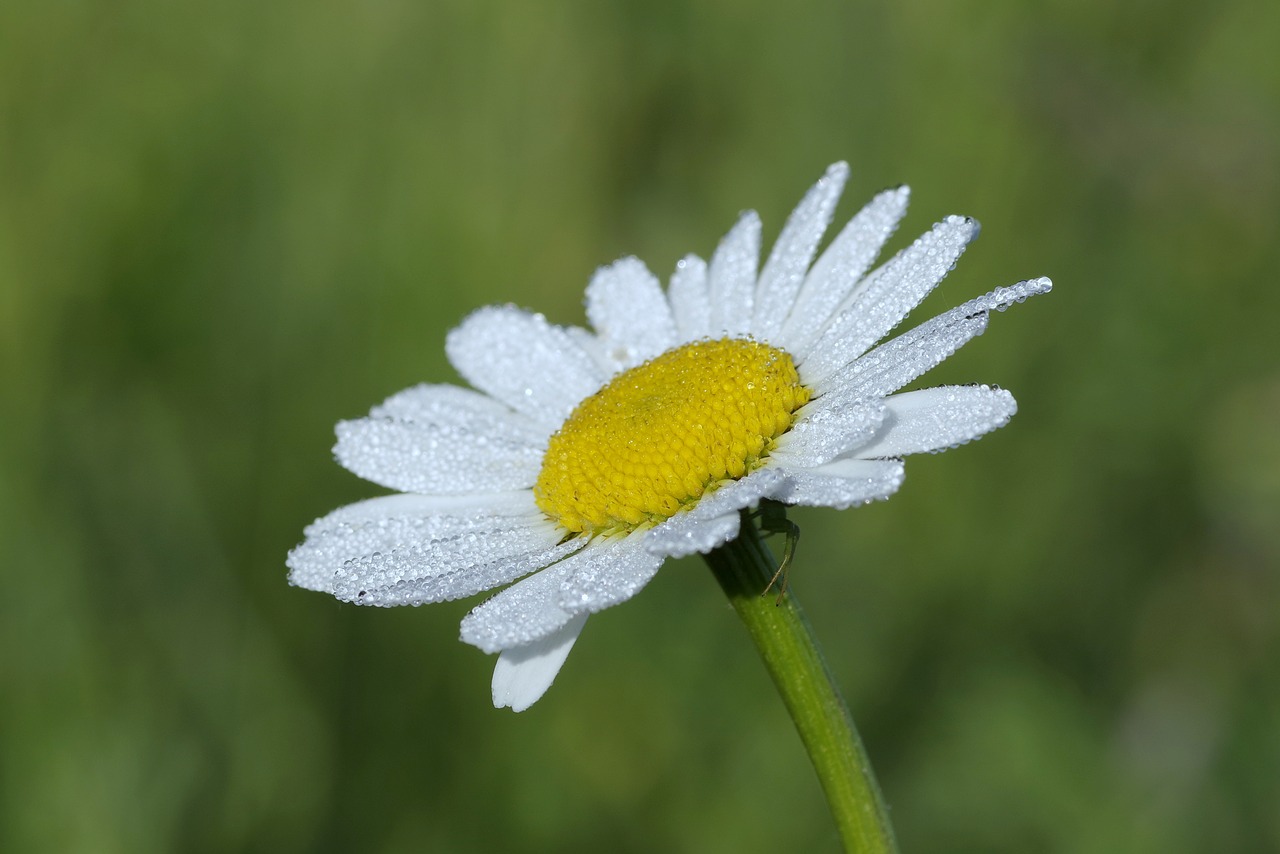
(661, 435)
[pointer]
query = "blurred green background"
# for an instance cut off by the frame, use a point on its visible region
(225, 226)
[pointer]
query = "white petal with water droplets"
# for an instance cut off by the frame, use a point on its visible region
(529, 610)
(682, 535)
(522, 675)
(843, 483)
(840, 268)
(934, 419)
(375, 510)
(827, 430)
(626, 306)
(616, 572)
(784, 271)
(438, 459)
(442, 439)
(691, 298)
(897, 362)
(706, 525)
(451, 568)
(399, 521)
(888, 295)
(453, 405)
(762, 483)
(524, 361)
(732, 277)
(595, 348)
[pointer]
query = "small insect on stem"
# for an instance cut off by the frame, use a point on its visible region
(773, 520)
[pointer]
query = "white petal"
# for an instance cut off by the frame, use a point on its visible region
(706, 525)
(840, 267)
(897, 362)
(683, 535)
(442, 439)
(451, 404)
(524, 361)
(880, 304)
(894, 364)
(626, 306)
(525, 612)
(828, 430)
(733, 277)
(376, 510)
(522, 675)
(439, 459)
(594, 347)
(843, 483)
(935, 419)
(783, 273)
(451, 568)
(731, 497)
(608, 576)
(691, 298)
(397, 521)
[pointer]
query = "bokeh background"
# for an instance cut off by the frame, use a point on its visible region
(224, 226)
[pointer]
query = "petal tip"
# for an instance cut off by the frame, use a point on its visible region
(523, 674)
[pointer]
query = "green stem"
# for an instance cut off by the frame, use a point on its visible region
(790, 652)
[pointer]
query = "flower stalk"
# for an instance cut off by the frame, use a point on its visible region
(785, 640)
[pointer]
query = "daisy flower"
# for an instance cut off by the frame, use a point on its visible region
(584, 458)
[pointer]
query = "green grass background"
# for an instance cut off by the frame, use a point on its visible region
(224, 226)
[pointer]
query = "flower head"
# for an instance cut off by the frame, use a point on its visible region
(584, 459)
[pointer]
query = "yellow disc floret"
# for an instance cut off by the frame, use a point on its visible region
(662, 434)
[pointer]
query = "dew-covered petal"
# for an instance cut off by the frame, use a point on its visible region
(897, 362)
(732, 277)
(707, 524)
(430, 403)
(453, 567)
(377, 510)
(731, 497)
(934, 419)
(894, 364)
(784, 271)
(888, 295)
(397, 521)
(529, 610)
(834, 275)
(691, 298)
(842, 484)
(452, 451)
(604, 574)
(628, 310)
(594, 347)
(682, 535)
(522, 675)
(827, 429)
(611, 574)
(442, 439)
(524, 361)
